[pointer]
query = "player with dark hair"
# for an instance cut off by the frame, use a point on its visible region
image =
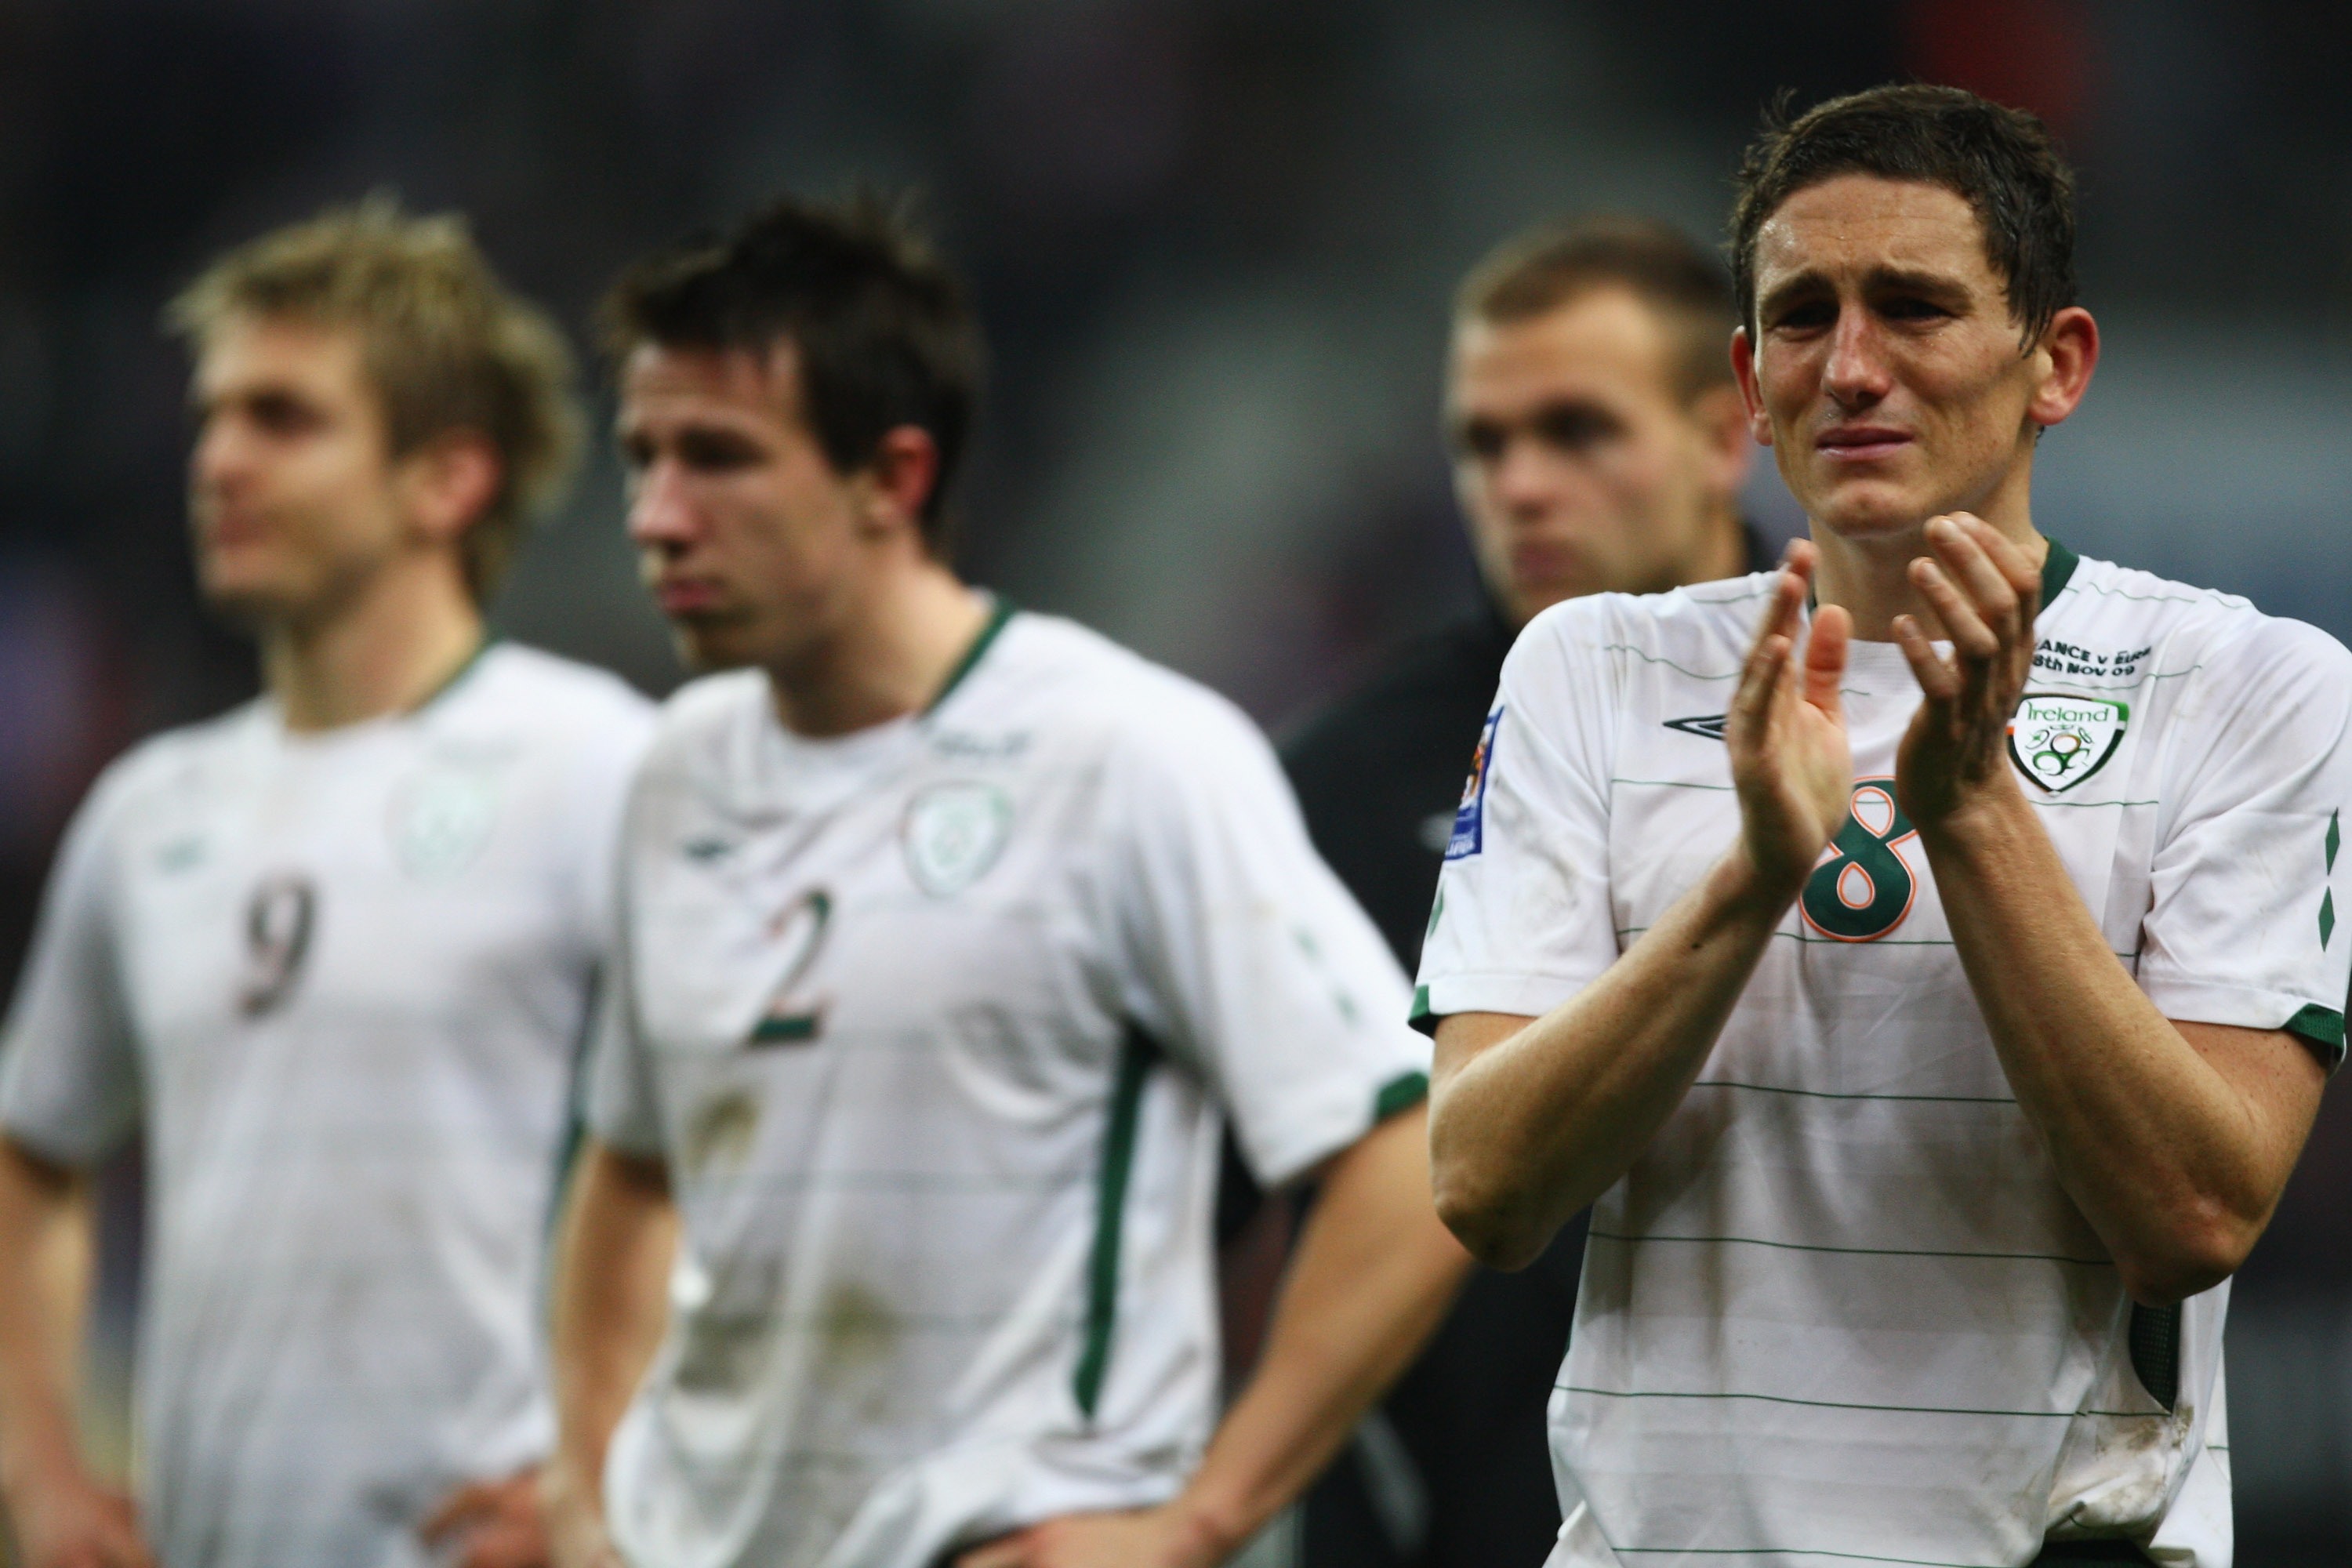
(1921, 957)
(1599, 446)
(952, 935)
(332, 952)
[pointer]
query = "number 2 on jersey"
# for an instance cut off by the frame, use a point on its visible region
(1865, 888)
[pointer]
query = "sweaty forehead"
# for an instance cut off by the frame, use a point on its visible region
(243, 354)
(727, 383)
(1855, 224)
(1604, 342)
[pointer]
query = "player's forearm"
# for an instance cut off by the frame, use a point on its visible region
(619, 1234)
(2174, 1167)
(44, 1266)
(1373, 1275)
(1529, 1127)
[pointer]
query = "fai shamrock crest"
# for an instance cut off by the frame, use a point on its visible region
(2058, 741)
(953, 834)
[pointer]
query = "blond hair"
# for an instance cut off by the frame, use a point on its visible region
(445, 346)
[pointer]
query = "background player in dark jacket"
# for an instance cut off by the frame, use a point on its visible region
(1598, 446)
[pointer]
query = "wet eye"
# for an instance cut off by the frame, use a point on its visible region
(282, 416)
(1808, 316)
(1479, 441)
(1574, 429)
(712, 453)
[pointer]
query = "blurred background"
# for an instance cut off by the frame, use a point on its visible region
(1213, 243)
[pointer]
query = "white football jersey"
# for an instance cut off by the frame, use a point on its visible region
(342, 980)
(1841, 1308)
(935, 1026)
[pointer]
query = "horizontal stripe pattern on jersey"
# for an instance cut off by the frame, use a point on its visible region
(936, 1026)
(1841, 1308)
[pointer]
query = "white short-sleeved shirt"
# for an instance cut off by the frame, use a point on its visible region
(935, 1025)
(1841, 1309)
(342, 980)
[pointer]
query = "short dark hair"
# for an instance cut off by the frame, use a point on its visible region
(1538, 271)
(2002, 161)
(881, 327)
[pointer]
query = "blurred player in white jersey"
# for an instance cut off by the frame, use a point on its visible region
(952, 934)
(1924, 954)
(333, 953)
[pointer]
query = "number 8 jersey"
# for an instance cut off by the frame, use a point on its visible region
(1841, 1308)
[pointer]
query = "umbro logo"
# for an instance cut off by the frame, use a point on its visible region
(1707, 727)
(705, 850)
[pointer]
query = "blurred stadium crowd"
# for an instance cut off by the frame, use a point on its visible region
(1212, 244)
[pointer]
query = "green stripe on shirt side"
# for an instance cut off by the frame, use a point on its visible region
(2324, 1028)
(1402, 1092)
(1134, 1057)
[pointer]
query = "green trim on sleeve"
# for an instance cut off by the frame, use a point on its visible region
(1135, 1058)
(2323, 1028)
(1421, 1017)
(1000, 612)
(2057, 570)
(1402, 1092)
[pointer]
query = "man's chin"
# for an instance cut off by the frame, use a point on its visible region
(249, 606)
(706, 647)
(1859, 511)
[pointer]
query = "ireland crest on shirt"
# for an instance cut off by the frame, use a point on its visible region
(953, 834)
(2058, 741)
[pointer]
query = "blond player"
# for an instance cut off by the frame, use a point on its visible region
(331, 953)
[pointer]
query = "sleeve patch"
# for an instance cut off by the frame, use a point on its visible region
(1470, 817)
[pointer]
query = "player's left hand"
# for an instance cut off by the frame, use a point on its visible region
(491, 1524)
(1160, 1537)
(1986, 593)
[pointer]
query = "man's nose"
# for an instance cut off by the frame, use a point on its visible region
(219, 457)
(1528, 480)
(660, 513)
(1856, 373)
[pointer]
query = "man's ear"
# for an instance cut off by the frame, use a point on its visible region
(1751, 397)
(446, 484)
(900, 480)
(2063, 364)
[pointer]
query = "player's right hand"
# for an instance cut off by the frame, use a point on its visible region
(71, 1521)
(1786, 734)
(575, 1521)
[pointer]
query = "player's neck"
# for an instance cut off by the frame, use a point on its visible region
(1870, 575)
(891, 656)
(387, 648)
(1725, 553)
